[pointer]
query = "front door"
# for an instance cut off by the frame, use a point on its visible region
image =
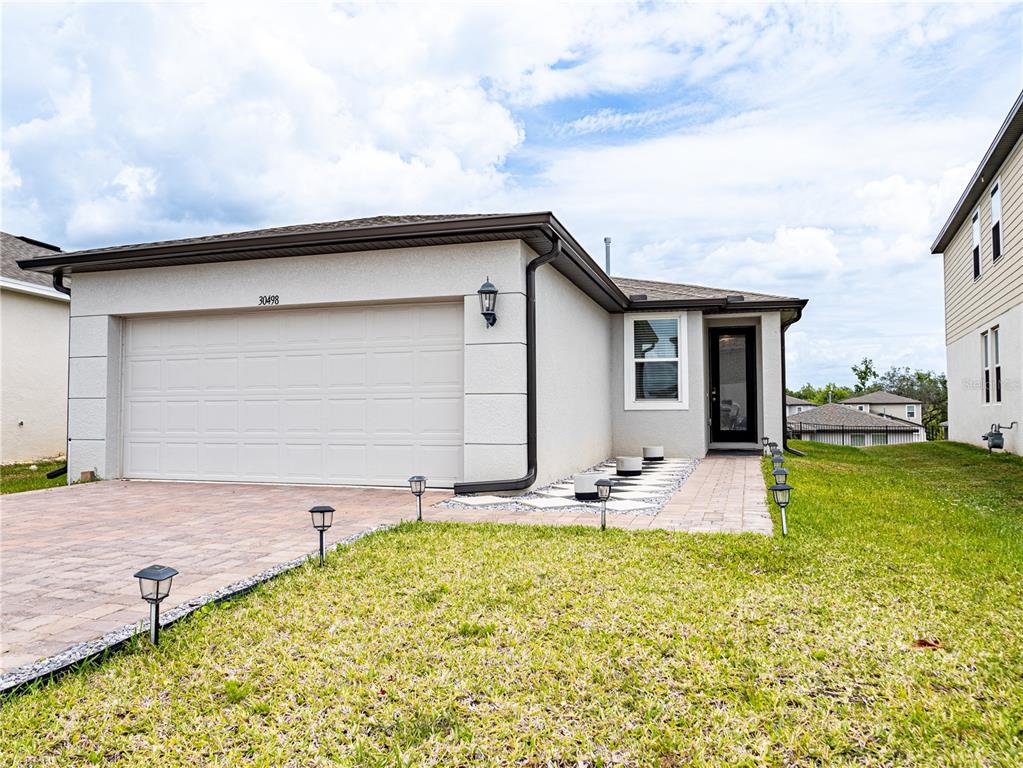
(733, 385)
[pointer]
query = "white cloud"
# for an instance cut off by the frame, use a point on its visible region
(820, 146)
(11, 179)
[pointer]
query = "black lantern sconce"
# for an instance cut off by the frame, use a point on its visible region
(417, 484)
(488, 302)
(155, 584)
(604, 486)
(323, 518)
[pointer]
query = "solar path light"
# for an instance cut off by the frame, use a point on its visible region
(604, 493)
(782, 493)
(417, 484)
(155, 584)
(323, 518)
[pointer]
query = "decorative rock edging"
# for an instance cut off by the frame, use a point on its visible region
(655, 500)
(71, 657)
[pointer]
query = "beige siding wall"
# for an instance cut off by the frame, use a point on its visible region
(970, 303)
(33, 376)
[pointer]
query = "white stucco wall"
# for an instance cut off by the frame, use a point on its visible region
(968, 416)
(681, 432)
(33, 376)
(574, 372)
(494, 414)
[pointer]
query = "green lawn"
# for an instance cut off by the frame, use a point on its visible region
(886, 630)
(15, 478)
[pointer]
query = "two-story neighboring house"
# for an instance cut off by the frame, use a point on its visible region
(982, 244)
(887, 404)
(794, 405)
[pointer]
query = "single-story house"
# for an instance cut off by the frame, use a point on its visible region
(887, 404)
(841, 425)
(34, 356)
(797, 405)
(364, 351)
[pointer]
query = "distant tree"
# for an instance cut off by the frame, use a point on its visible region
(928, 387)
(820, 395)
(865, 373)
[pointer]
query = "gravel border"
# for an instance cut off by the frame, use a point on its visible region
(71, 657)
(657, 502)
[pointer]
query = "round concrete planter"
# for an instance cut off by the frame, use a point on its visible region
(586, 485)
(653, 453)
(629, 466)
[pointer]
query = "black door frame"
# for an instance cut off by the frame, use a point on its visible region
(749, 435)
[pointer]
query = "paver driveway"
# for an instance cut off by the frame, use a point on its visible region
(67, 554)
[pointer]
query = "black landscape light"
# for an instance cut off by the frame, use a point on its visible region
(488, 302)
(417, 484)
(604, 486)
(781, 475)
(155, 584)
(782, 493)
(766, 441)
(323, 518)
(777, 460)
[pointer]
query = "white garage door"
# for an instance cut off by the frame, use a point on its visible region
(335, 395)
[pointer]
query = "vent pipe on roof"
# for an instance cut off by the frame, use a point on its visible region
(607, 255)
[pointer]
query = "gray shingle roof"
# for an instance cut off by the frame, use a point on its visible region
(12, 249)
(656, 290)
(880, 398)
(790, 400)
(835, 415)
(323, 226)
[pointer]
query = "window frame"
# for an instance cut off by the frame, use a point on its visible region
(996, 362)
(976, 237)
(862, 437)
(911, 411)
(996, 253)
(985, 368)
(629, 362)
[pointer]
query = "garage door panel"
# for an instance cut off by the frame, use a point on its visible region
(261, 372)
(439, 367)
(346, 370)
(303, 372)
(182, 416)
(330, 395)
(302, 462)
(346, 416)
(220, 374)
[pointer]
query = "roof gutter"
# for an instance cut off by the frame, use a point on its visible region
(517, 484)
(58, 282)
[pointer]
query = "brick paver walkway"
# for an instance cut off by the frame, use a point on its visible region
(67, 554)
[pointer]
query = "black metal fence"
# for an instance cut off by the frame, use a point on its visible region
(840, 434)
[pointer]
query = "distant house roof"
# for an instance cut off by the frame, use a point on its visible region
(835, 415)
(790, 400)
(13, 249)
(1004, 141)
(880, 398)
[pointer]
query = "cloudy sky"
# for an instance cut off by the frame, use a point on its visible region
(806, 150)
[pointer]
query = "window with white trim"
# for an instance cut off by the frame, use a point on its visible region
(910, 411)
(986, 365)
(996, 221)
(996, 359)
(857, 439)
(656, 368)
(976, 244)
(861, 407)
(879, 438)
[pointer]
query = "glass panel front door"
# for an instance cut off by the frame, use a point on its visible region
(733, 396)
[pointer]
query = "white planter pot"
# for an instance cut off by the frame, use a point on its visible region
(586, 485)
(629, 466)
(653, 453)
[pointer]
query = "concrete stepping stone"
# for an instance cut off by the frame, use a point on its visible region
(549, 503)
(622, 505)
(482, 501)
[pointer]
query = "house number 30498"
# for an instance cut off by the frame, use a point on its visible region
(268, 300)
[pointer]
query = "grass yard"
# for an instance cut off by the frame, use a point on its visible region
(886, 630)
(15, 478)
